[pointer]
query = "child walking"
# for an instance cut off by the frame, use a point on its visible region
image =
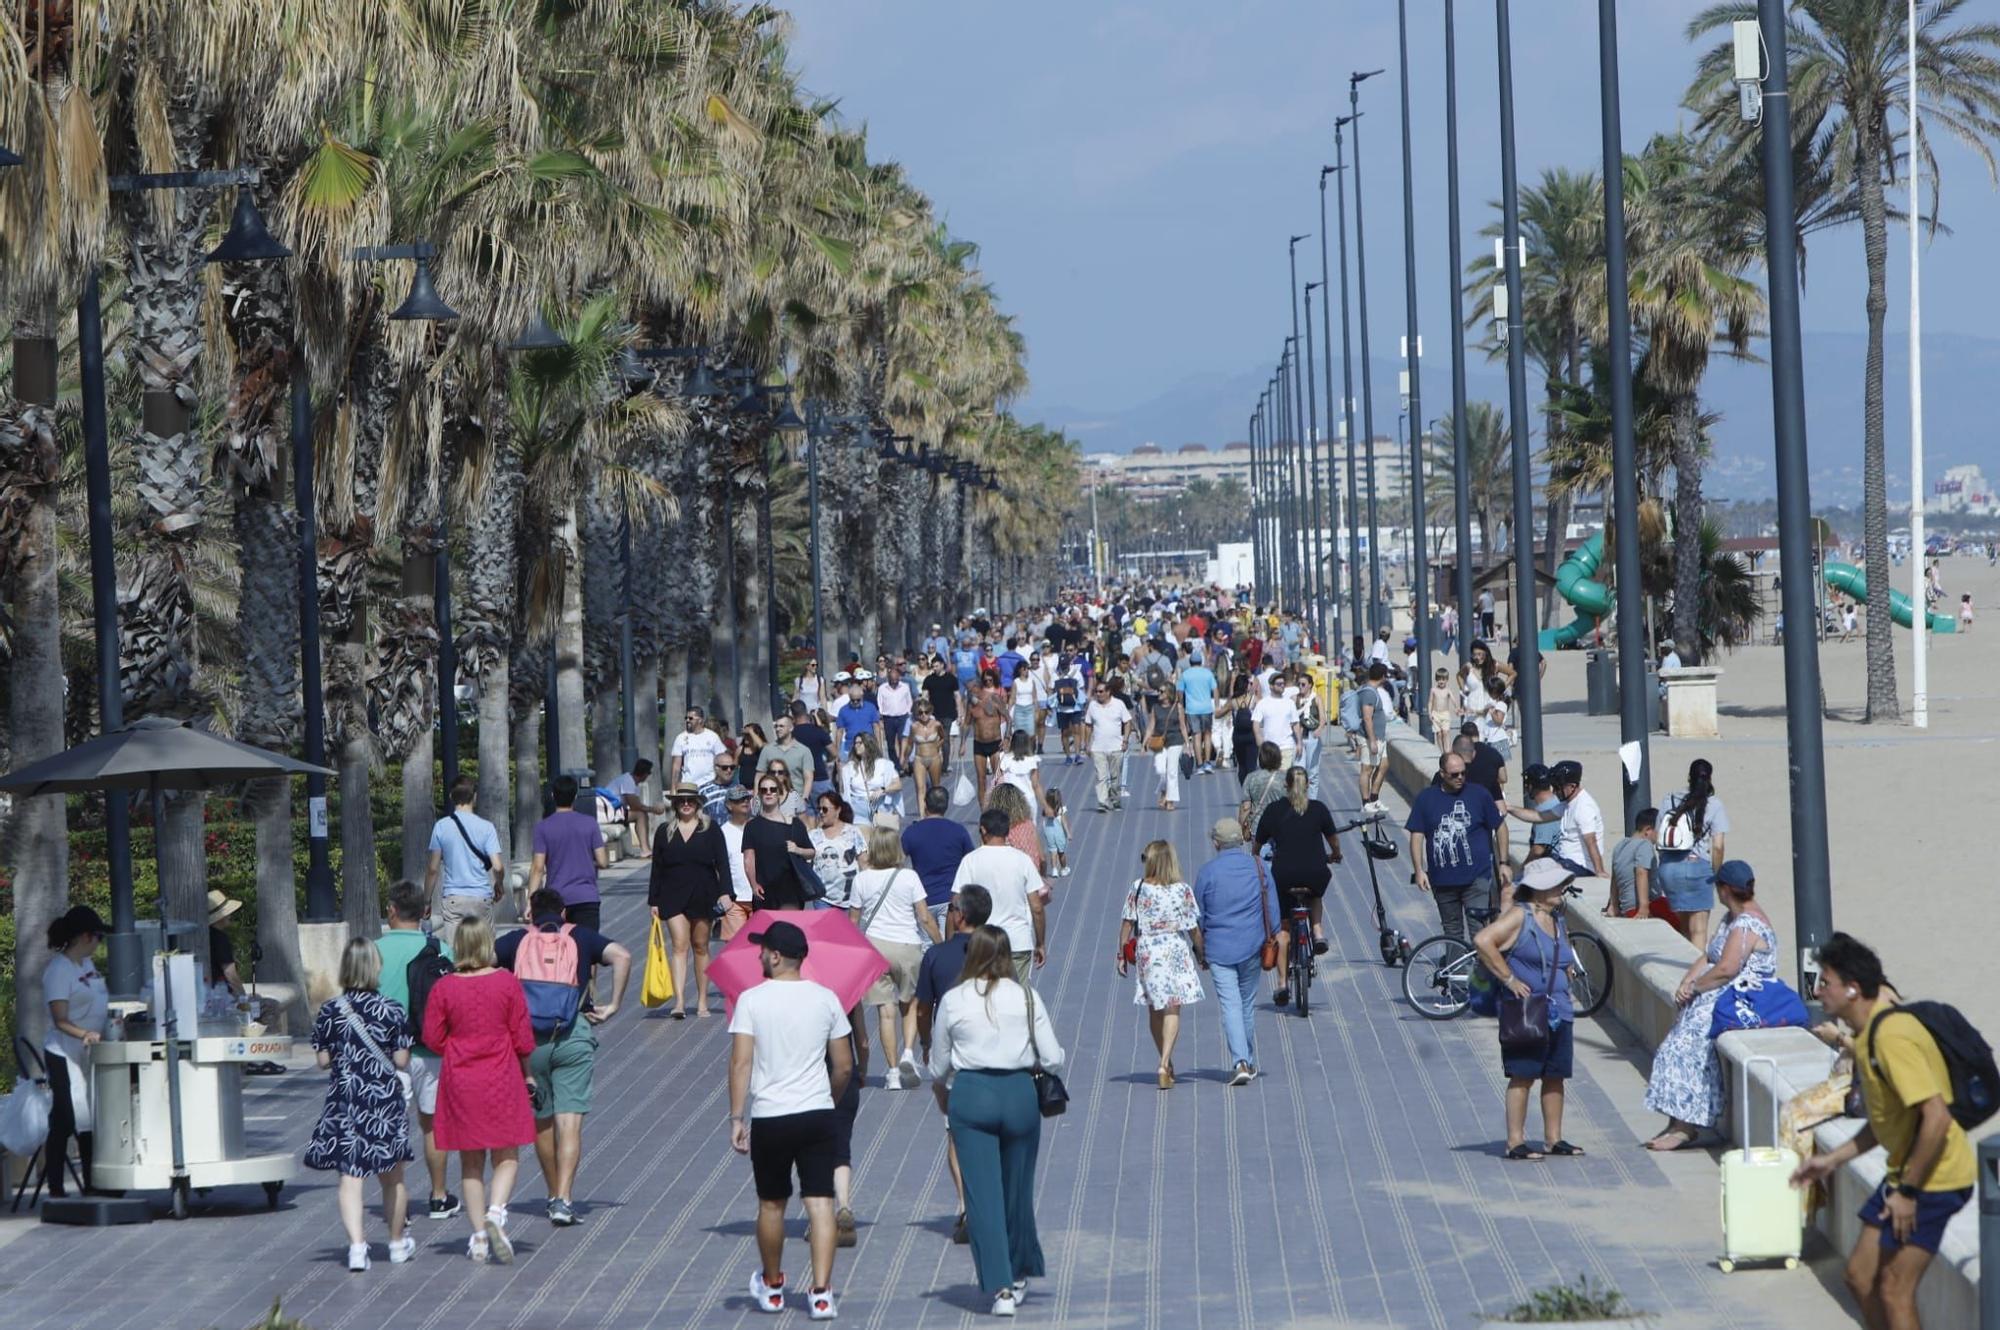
(1443, 706)
(1965, 612)
(1055, 830)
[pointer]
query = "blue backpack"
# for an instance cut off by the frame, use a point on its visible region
(546, 964)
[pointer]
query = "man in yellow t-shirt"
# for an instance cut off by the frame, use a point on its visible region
(1908, 1091)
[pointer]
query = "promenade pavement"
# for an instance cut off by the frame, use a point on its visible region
(1356, 1183)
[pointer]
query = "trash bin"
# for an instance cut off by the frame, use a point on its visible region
(1600, 670)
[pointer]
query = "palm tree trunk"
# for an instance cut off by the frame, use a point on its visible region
(674, 691)
(495, 783)
(1688, 505)
(484, 614)
(569, 651)
(527, 666)
(1884, 702)
(30, 469)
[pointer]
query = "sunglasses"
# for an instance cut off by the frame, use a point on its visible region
(725, 766)
(769, 789)
(686, 803)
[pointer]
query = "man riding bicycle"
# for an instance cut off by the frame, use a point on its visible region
(1304, 846)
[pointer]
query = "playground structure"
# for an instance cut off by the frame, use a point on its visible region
(1849, 580)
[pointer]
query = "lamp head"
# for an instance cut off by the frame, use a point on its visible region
(248, 240)
(8, 157)
(538, 336)
(1296, 239)
(701, 381)
(423, 304)
(1361, 76)
(786, 419)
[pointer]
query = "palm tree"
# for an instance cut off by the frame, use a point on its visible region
(1848, 73)
(1489, 449)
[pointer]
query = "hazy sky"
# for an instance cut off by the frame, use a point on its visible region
(1131, 171)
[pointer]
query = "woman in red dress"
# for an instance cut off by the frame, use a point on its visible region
(477, 1019)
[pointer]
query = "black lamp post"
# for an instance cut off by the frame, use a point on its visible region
(1419, 567)
(1326, 362)
(1302, 413)
(1461, 441)
(1321, 586)
(1354, 82)
(1256, 512)
(1361, 617)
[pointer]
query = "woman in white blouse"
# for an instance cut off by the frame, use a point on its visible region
(868, 779)
(78, 1006)
(988, 1034)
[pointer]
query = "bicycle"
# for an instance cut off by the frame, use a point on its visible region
(1300, 964)
(1437, 978)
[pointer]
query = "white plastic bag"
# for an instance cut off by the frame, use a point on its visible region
(24, 1118)
(962, 793)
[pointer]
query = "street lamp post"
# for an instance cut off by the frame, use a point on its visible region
(1347, 391)
(1460, 438)
(1354, 82)
(1528, 670)
(1812, 879)
(1413, 356)
(1303, 413)
(1326, 363)
(1326, 592)
(1624, 452)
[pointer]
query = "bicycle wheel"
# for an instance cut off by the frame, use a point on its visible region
(1437, 977)
(1302, 972)
(1590, 977)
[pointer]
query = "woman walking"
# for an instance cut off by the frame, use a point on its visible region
(838, 847)
(927, 736)
(810, 685)
(1693, 828)
(1022, 832)
(748, 744)
(987, 1036)
(1166, 740)
(869, 781)
(363, 1132)
(1304, 848)
(79, 1005)
(690, 875)
(889, 907)
(1163, 922)
(477, 1020)
(774, 843)
(1528, 950)
(1021, 766)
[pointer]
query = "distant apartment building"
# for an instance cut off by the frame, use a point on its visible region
(1151, 472)
(1963, 491)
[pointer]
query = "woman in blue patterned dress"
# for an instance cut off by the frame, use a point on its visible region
(1163, 918)
(364, 1130)
(1742, 956)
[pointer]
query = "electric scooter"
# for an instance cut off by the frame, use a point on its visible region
(1376, 844)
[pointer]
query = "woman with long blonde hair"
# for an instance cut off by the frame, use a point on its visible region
(1304, 848)
(1163, 921)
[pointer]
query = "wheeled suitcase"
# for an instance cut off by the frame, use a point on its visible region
(1763, 1215)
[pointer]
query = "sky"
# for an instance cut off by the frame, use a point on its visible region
(1131, 171)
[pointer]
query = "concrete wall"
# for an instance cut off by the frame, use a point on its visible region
(1648, 959)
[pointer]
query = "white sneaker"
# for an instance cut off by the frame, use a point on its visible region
(821, 1306)
(768, 1297)
(892, 1079)
(907, 1065)
(357, 1256)
(1004, 1302)
(1020, 1291)
(496, 1235)
(476, 1249)
(401, 1250)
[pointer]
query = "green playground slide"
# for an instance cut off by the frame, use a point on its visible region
(1575, 584)
(1845, 577)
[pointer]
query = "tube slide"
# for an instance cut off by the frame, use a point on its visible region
(1591, 597)
(1845, 577)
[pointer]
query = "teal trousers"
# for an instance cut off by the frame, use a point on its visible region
(997, 1127)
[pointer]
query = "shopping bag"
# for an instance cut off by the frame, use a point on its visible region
(24, 1118)
(962, 793)
(657, 988)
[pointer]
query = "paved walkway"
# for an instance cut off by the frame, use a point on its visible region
(1356, 1184)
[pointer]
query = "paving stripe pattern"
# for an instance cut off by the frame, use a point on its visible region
(1356, 1183)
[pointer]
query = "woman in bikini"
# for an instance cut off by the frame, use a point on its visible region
(927, 751)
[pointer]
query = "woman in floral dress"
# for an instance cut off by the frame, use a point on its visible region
(364, 1131)
(1161, 915)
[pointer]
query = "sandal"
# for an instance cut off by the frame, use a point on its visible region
(1681, 1139)
(1565, 1150)
(1524, 1152)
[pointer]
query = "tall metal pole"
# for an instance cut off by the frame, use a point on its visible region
(125, 962)
(1624, 453)
(818, 441)
(628, 731)
(1326, 362)
(1419, 567)
(1308, 447)
(1812, 877)
(1920, 618)
(447, 661)
(321, 904)
(1319, 491)
(1527, 647)
(1301, 505)
(1367, 378)
(1361, 616)
(1257, 575)
(1460, 436)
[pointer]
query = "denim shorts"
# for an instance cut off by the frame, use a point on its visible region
(1688, 883)
(1554, 1061)
(1934, 1211)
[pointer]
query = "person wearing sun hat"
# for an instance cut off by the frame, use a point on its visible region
(225, 985)
(1527, 949)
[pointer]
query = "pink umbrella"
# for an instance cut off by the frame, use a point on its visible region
(837, 955)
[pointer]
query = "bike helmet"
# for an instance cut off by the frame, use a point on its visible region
(1376, 842)
(1566, 773)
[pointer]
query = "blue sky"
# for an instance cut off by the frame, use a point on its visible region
(1131, 171)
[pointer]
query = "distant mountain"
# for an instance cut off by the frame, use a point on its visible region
(1959, 375)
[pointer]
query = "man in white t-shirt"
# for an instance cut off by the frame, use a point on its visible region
(1277, 720)
(789, 1061)
(894, 701)
(1019, 897)
(1110, 722)
(629, 789)
(1581, 849)
(742, 895)
(695, 751)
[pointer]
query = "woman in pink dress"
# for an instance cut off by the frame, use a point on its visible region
(477, 1019)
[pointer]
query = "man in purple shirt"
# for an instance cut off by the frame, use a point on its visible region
(569, 849)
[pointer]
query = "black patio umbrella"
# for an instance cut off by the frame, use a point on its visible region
(153, 754)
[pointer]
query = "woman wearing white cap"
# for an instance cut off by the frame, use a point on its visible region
(1528, 950)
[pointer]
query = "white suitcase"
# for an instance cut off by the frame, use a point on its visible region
(1763, 1215)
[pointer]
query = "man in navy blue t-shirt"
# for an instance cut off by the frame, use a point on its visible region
(1458, 842)
(935, 843)
(937, 976)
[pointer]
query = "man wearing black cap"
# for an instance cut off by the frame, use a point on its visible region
(789, 1061)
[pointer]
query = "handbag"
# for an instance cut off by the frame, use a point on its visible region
(1751, 1004)
(368, 1040)
(1524, 1021)
(656, 989)
(1267, 954)
(1156, 743)
(1130, 949)
(1051, 1095)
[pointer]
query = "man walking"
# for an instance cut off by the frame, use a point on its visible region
(785, 747)
(1238, 909)
(1110, 723)
(1197, 684)
(1374, 737)
(466, 863)
(936, 844)
(1458, 842)
(402, 941)
(789, 1060)
(895, 701)
(695, 750)
(565, 1058)
(569, 851)
(1015, 889)
(742, 893)
(937, 976)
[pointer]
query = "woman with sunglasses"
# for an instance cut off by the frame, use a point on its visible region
(773, 845)
(690, 874)
(794, 802)
(748, 744)
(837, 849)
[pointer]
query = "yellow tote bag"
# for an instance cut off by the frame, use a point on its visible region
(657, 988)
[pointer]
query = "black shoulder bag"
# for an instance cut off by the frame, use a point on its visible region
(1524, 1021)
(1051, 1095)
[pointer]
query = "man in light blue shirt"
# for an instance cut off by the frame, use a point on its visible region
(1239, 908)
(1198, 702)
(466, 862)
